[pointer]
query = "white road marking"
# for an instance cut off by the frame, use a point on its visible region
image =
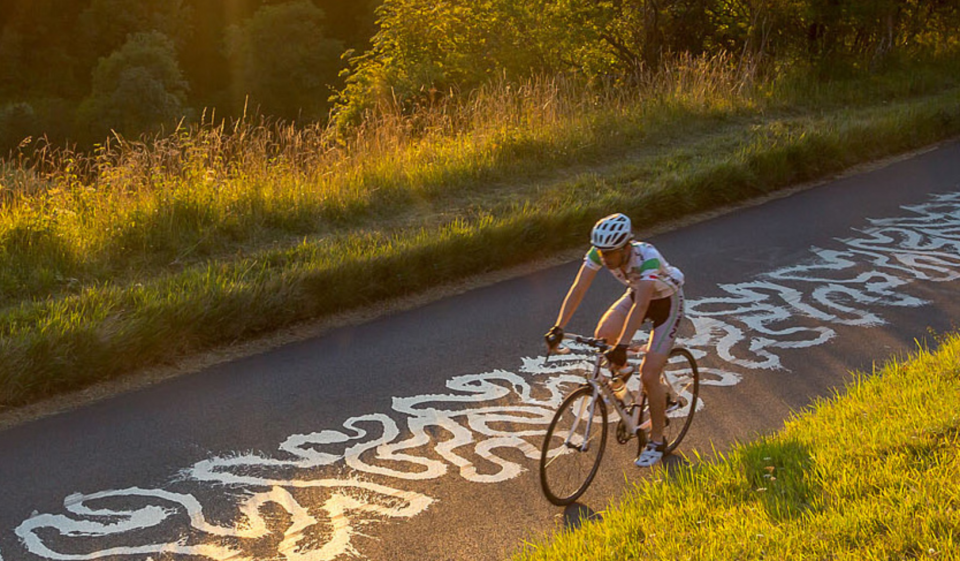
(748, 328)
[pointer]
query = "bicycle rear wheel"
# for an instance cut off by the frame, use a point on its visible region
(683, 376)
(681, 371)
(573, 447)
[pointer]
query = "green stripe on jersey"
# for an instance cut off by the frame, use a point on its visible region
(594, 256)
(650, 264)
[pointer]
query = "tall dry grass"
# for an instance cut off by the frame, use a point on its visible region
(131, 208)
(143, 250)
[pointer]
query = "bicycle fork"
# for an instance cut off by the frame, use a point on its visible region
(592, 404)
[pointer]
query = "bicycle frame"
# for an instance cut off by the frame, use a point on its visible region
(600, 388)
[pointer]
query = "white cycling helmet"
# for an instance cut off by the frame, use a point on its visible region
(611, 232)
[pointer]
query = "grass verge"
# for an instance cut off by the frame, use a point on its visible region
(870, 474)
(209, 239)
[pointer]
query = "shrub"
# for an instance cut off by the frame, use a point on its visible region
(136, 89)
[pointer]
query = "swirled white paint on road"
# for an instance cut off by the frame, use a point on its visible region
(835, 288)
(253, 526)
(374, 457)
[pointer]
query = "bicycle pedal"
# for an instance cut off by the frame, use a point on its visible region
(672, 404)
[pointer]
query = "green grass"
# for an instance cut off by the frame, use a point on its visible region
(144, 251)
(870, 474)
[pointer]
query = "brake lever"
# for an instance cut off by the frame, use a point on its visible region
(558, 350)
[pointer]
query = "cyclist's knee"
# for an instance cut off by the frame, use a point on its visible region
(608, 329)
(651, 368)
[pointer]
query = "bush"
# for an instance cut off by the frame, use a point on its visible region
(282, 60)
(136, 89)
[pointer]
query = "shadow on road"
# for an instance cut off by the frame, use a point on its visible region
(673, 462)
(576, 514)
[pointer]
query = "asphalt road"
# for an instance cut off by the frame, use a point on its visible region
(413, 437)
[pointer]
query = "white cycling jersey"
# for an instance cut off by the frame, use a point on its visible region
(646, 264)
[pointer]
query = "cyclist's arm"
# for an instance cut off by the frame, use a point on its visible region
(642, 294)
(575, 295)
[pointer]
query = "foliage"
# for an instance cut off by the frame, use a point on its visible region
(481, 109)
(407, 54)
(105, 25)
(10, 54)
(17, 122)
(146, 249)
(424, 47)
(49, 50)
(283, 61)
(139, 87)
(39, 42)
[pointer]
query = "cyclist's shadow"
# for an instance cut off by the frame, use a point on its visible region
(576, 514)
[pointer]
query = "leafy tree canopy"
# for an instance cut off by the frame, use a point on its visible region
(282, 60)
(137, 88)
(285, 54)
(427, 45)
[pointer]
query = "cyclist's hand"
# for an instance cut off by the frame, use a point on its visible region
(617, 356)
(554, 337)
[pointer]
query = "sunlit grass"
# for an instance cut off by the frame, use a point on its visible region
(869, 474)
(135, 207)
(143, 250)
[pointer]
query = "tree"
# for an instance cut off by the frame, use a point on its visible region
(11, 69)
(40, 42)
(428, 46)
(17, 122)
(350, 22)
(106, 24)
(136, 89)
(283, 61)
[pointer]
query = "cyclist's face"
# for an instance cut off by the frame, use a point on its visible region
(613, 258)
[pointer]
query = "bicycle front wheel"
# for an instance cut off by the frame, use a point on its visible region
(573, 446)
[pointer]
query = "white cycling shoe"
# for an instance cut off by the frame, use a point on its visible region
(651, 455)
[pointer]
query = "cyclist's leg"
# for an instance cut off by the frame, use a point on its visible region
(666, 318)
(650, 369)
(611, 324)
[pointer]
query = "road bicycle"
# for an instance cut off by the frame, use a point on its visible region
(577, 435)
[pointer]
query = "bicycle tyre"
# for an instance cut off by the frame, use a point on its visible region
(682, 368)
(566, 471)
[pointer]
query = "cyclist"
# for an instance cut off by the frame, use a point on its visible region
(654, 291)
